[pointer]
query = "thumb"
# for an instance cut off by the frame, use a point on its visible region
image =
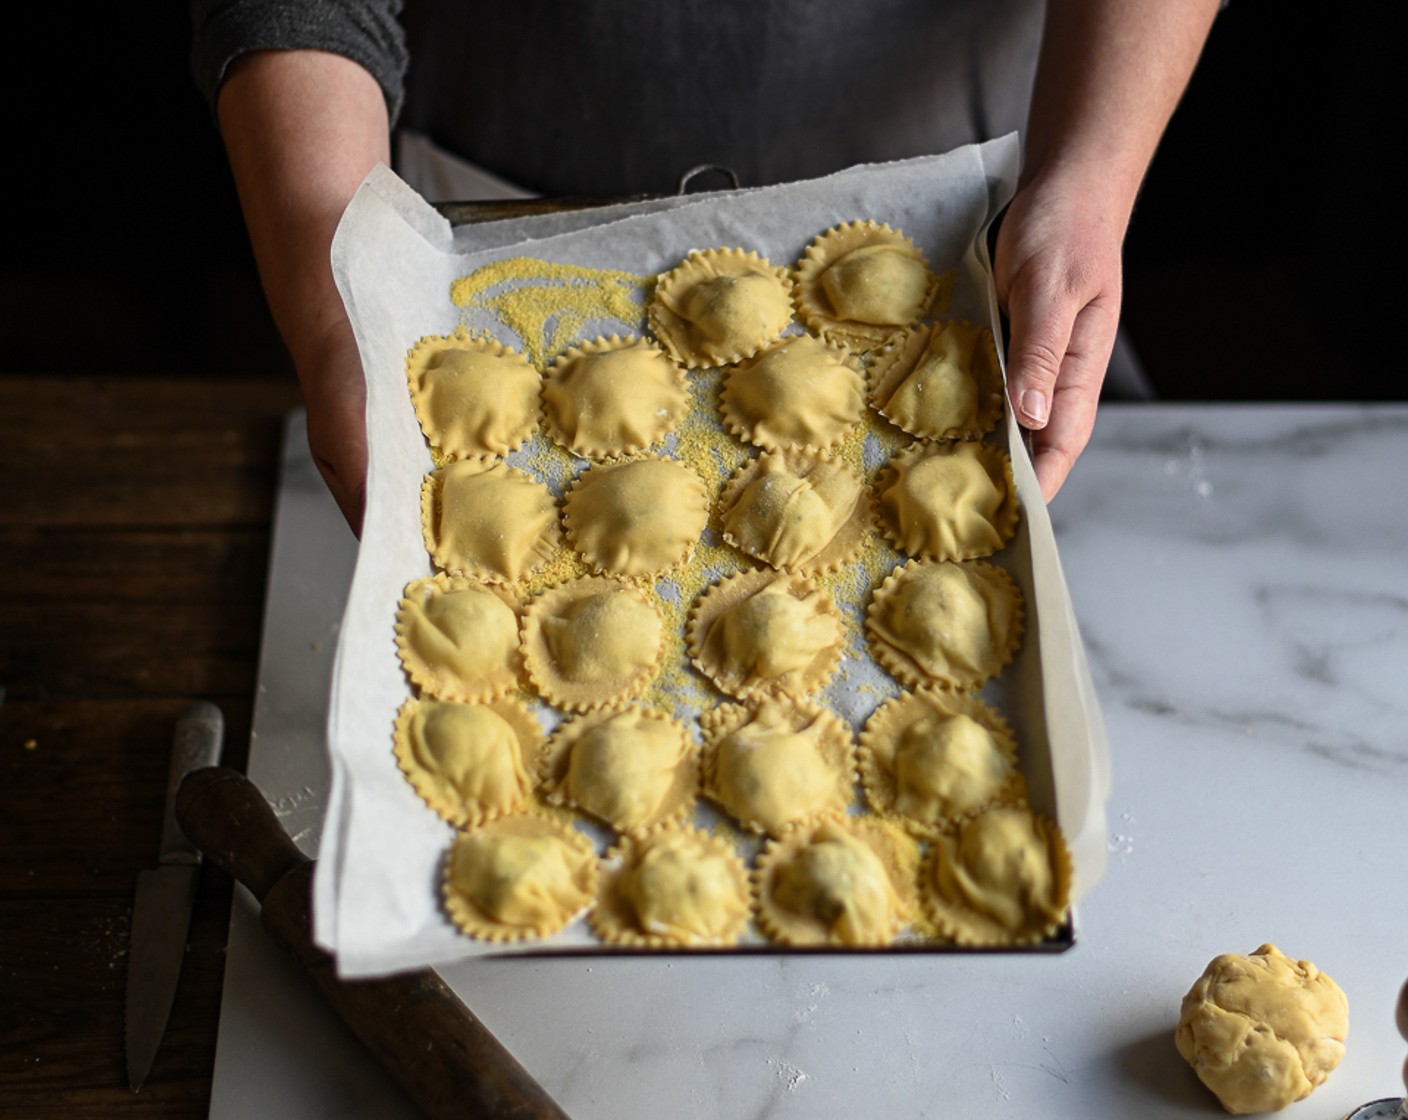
(1040, 334)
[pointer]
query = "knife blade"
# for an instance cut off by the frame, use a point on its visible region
(164, 898)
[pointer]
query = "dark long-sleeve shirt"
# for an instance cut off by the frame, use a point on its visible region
(622, 96)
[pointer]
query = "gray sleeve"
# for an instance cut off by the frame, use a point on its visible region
(366, 31)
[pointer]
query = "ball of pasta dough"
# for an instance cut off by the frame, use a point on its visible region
(1262, 1030)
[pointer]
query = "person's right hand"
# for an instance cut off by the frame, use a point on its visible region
(335, 395)
(302, 129)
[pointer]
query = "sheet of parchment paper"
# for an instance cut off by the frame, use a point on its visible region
(376, 893)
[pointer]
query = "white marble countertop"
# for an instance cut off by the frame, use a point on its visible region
(1241, 578)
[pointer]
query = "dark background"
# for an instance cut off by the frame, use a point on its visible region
(1263, 256)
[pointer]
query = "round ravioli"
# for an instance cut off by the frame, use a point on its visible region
(468, 762)
(775, 763)
(933, 758)
(943, 622)
(630, 767)
(472, 396)
(591, 642)
(796, 510)
(519, 877)
(719, 306)
(486, 519)
(1004, 878)
(759, 633)
(953, 501)
(797, 393)
(672, 886)
(839, 881)
(940, 381)
(457, 639)
(613, 396)
(639, 517)
(861, 282)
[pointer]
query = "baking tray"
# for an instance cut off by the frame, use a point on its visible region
(514, 228)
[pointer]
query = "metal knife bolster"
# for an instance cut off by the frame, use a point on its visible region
(196, 745)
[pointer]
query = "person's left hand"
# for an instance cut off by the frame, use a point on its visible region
(1057, 270)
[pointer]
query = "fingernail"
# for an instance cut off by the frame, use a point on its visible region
(1033, 406)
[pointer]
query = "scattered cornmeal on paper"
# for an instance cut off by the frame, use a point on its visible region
(528, 295)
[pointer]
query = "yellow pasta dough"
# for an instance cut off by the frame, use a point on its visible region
(861, 282)
(955, 624)
(487, 519)
(458, 639)
(940, 381)
(637, 517)
(672, 886)
(776, 763)
(1004, 878)
(613, 396)
(934, 757)
(797, 393)
(761, 633)
(592, 641)
(797, 510)
(519, 877)
(1262, 1030)
(840, 881)
(468, 762)
(630, 767)
(719, 306)
(948, 501)
(472, 396)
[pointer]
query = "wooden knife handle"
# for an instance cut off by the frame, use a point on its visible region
(439, 1052)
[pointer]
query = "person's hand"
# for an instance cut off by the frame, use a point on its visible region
(1057, 270)
(335, 395)
(302, 129)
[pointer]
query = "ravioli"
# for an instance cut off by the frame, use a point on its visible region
(759, 633)
(776, 763)
(519, 877)
(797, 511)
(948, 623)
(637, 517)
(473, 397)
(672, 886)
(610, 654)
(840, 881)
(592, 641)
(631, 767)
(719, 306)
(1004, 878)
(860, 283)
(613, 396)
(486, 519)
(457, 639)
(940, 381)
(933, 758)
(468, 762)
(948, 501)
(798, 393)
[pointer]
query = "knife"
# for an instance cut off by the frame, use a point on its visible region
(161, 907)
